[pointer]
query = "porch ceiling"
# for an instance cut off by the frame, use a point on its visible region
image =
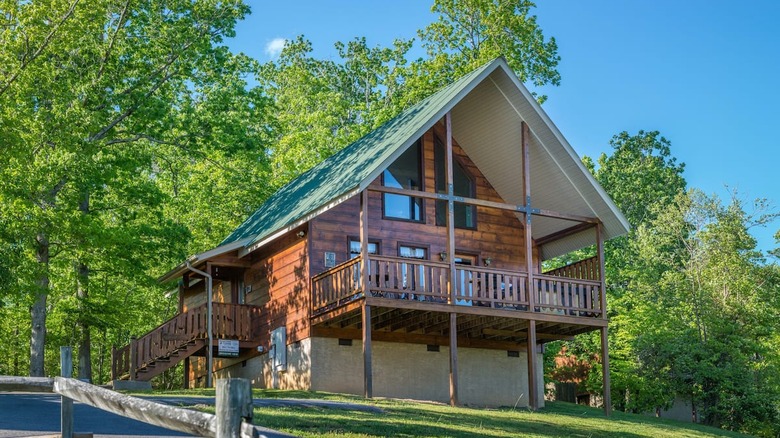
(431, 327)
(487, 125)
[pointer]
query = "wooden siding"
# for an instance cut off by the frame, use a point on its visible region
(498, 236)
(279, 278)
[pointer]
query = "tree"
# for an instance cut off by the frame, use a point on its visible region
(92, 97)
(704, 317)
(323, 105)
(469, 33)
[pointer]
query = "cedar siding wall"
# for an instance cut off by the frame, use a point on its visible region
(279, 277)
(499, 233)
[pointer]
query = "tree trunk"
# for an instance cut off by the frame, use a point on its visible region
(38, 309)
(82, 293)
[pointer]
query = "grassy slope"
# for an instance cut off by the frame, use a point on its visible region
(414, 419)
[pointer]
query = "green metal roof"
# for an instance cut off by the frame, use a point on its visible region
(353, 167)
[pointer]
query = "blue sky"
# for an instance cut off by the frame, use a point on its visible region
(703, 73)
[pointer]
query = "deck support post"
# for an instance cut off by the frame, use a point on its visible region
(453, 359)
(450, 207)
(209, 320)
(605, 371)
(533, 393)
(186, 366)
(368, 384)
(210, 328)
(133, 357)
(364, 262)
(604, 332)
(529, 249)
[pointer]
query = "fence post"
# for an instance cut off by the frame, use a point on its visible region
(66, 409)
(133, 356)
(113, 363)
(234, 402)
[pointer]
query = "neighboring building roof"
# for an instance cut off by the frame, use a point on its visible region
(487, 107)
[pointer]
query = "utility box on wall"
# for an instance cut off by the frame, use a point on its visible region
(279, 348)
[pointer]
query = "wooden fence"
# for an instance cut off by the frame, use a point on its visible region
(233, 405)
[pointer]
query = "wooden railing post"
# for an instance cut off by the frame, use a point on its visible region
(133, 356)
(66, 408)
(602, 274)
(234, 403)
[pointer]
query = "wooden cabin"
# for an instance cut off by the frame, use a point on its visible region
(408, 264)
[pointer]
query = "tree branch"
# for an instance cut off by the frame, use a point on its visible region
(119, 25)
(46, 41)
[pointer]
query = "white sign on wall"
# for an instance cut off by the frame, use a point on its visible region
(227, 348)
(330, 259)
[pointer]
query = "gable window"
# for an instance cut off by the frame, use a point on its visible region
(463, 185)
(404, 173)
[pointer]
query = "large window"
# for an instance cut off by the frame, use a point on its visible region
(404, 173)
(463, 185)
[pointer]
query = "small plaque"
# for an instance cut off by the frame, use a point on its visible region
(330, 259)
(227, 348)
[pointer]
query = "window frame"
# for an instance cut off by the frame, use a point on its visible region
(421, 172)
(456, 161)
(350, 239)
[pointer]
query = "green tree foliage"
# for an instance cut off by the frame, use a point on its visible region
(469, 33)
(102, 105)
(321, 105)
(704, 311)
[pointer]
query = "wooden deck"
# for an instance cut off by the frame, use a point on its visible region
(411, 303)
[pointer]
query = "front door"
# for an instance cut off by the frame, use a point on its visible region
(464, 279)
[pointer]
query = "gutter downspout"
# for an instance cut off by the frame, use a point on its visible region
(209, 329)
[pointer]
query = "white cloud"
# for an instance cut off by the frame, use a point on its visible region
(274, 47)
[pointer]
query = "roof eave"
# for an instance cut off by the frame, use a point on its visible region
(200, 258)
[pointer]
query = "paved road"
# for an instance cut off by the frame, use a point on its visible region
(27, 414)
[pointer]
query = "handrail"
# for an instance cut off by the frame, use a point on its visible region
(559, 278)
(337, 267)
(409, 260)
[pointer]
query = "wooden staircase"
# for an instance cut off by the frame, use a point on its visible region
(183, 336)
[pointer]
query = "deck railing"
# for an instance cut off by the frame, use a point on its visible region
(587, 269)
(336, 284)
(490, 287)
(229, 321)
(407, 278)
(429, 281)
(569, 296)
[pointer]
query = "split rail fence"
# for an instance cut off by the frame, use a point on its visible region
(233, 405)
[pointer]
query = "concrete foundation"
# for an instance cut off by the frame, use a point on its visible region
(486, 377)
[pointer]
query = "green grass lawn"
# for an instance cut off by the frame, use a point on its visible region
(415, 419)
